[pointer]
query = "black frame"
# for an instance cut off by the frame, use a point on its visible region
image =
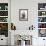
(23, 11)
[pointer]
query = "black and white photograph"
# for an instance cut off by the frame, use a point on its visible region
(23, 14)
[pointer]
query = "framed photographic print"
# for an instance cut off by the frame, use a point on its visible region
(23, 14)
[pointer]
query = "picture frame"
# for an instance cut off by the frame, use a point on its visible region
(23, 14)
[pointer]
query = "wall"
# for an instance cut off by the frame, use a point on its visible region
(32, 13)
(32, 6)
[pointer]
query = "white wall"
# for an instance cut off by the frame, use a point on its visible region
(32, 13)
(32, 6)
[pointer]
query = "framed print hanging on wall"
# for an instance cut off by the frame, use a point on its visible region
(23, 14)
